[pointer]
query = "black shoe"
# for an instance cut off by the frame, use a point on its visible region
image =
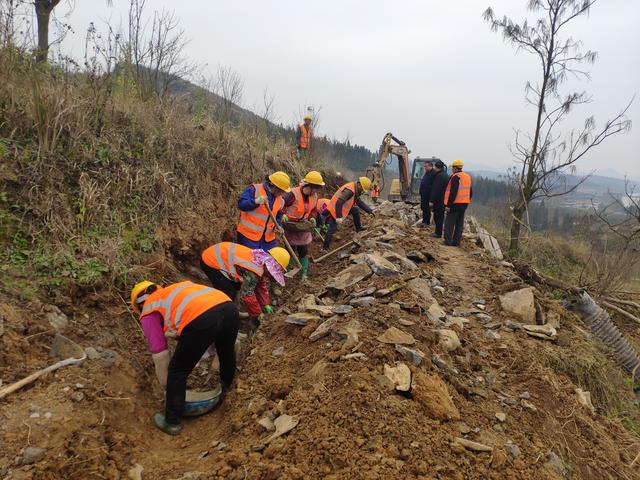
(448, 244)
(435, 235)
(424, 225)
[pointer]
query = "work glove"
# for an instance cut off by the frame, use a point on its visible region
(279, 229)
(285, 218)
(339, 220)
(324, 228)
(447, 209)
(161, 362)
(261, 200)
(268, 309)
(431, 204)
(313, 221)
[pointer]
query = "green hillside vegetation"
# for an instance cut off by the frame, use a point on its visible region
(99, 178)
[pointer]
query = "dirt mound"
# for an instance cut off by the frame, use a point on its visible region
(496, 386)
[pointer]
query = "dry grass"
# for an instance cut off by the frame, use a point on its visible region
(84, 206)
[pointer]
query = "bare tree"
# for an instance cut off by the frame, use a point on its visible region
(43, 15)
(155, 49)
(622, 214)
(229, 86)
(546, 152)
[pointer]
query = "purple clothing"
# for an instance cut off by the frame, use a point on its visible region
(273, 267)
(299, 238)
(153, 328)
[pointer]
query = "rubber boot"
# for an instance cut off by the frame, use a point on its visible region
(305, 268)
(168, 428)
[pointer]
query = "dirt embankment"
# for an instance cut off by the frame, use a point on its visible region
(474, 376)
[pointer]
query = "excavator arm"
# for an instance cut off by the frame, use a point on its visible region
(398, 149)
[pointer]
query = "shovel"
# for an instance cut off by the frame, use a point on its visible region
(291, 273)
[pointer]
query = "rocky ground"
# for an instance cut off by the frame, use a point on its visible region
(401, 358)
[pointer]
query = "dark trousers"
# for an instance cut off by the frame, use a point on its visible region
(426, 213)
(454, 224)
(220, 282)
(301, 250)
(218, 325)
(333, 226)
(438, 218)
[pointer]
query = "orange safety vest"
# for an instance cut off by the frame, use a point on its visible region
(375, 192)
(256, 222)
(321, 203)
(464, 189)
(181, 303)
(300, 210)
(346, 206)
(226, 256)
(304, 141)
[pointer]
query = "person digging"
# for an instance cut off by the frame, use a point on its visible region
(199, 316)
(234, 268)
(346, 201)
(299, 218)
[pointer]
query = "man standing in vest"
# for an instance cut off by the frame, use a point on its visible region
(457, 198)
(299, 219)
(233, 268)
(199, 316)
(256, 229)
(346, 201)
(303, 136)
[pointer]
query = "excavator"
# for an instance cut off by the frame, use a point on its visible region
(405, 188)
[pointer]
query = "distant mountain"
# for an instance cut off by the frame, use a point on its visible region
(593, 186)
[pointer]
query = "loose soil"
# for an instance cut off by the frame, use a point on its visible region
(352, 425)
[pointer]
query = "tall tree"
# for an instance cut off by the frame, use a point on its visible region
(43, 15)
(546, 152)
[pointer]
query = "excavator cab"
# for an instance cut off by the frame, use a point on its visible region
(417, 172)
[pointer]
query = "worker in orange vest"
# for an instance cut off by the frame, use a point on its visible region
(255, 228)
(300, 215)
(233, 268)
(199, 316)
(375, 193)
(457, 198)
(303, 136)
(346, 201)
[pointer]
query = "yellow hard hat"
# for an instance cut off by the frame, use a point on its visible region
(307, 117)
(281, 255)
(136, 291)
(365, 183)
(457, 163)
(281, 180)
(314, 178)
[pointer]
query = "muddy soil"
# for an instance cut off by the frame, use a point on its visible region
(497, 388)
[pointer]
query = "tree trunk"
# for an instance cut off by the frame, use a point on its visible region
(43, 15)
(516, 223)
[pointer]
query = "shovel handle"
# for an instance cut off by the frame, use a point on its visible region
(284, 239)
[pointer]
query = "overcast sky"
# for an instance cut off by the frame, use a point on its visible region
(429, 71)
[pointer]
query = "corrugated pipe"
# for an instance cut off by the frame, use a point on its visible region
(602, 327)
